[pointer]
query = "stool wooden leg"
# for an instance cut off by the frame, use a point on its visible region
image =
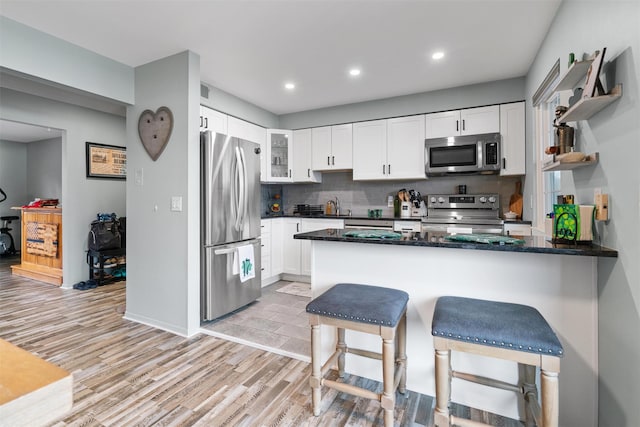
(316, 376)
(530, 393)
(388, 398)
(443, 387)
(401, 339)
(342, 348)
(549, 397)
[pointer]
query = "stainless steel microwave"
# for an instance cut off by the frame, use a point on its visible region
(467, 154)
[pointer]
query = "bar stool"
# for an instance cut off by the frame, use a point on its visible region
(371, 309)
(506, 331)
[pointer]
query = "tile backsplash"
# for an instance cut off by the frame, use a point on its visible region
(362, 195)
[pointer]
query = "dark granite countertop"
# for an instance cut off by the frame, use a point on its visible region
(322, 216)
(533, 244)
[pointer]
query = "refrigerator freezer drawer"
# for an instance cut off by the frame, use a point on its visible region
(222, 290)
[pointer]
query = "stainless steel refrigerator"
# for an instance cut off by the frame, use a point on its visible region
(230, 219)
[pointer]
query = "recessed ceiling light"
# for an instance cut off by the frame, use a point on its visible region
(354, 71)
(289, 86)
(438, 55)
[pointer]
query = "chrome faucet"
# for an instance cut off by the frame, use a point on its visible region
(337, 203)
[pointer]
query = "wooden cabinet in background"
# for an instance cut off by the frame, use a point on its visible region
(41, 248)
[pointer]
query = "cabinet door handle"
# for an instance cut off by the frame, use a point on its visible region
(328, 163)
(289, 173)
(200, 121)
(463, 125)
(504, 163)
(308, 173)
(206, 122)
(333, 160)
(389, 169)
(457, 125)
(383, 170)
(297, 227)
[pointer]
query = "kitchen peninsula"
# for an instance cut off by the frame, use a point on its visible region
(558, 280)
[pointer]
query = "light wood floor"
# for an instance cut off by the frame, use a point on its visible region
(128, 374)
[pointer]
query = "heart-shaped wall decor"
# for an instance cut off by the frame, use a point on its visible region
(154, 130)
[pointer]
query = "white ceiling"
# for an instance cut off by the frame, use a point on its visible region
(251, 48)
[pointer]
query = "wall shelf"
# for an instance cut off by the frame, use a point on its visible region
(559, 165)
(573, 75)
(587, 107)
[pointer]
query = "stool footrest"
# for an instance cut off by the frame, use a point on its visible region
(491, 382)
(533, 406)
(364, 353)
(351, 389)
(330, 362)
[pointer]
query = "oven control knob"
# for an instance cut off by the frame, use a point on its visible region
(492, 199)
(440, 199)
(433, 199)
(483, 199)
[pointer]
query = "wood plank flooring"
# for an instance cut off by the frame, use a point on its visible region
(128, 374)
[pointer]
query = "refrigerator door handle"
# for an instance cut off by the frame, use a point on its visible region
(245, 185)
(240, 194)
(229, 249)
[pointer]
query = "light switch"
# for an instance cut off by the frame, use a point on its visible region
(139, 176)
(176, 203)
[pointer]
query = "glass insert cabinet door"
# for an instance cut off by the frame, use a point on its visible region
(279, 150)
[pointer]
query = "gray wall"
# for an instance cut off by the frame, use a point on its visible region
(37, 54)
(13, 180)
(498, 92)
(81, 198)
(614, 133)
(163, 246)
(44, 169)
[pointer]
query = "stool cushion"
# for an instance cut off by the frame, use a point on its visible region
(496, 324)
(361, 303)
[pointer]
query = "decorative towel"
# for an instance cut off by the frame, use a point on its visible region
(373, 234)
(42, 239)
(246, 264)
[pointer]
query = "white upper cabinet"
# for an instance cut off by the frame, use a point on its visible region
(369, 150)
(405, 148)
(279, 155)
(480, 120)
(389, 149)
(470, 121)
(212, 120)
(254, 133)
(301, 165)
(332, 147)
(248, 131)
(512, 129)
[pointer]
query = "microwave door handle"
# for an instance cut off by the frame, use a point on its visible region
(480, 155)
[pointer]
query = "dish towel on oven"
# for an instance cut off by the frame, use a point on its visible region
(244, 263)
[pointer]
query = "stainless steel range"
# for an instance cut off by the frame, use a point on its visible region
(462, 214)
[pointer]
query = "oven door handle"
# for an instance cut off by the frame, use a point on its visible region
(459, 230)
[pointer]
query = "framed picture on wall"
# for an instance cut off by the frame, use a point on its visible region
(106, 161)
(592, 82)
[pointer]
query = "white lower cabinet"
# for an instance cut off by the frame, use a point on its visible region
(290, 246)
(310, 224)
(271, 249)
(517, 229)
(297, 253)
